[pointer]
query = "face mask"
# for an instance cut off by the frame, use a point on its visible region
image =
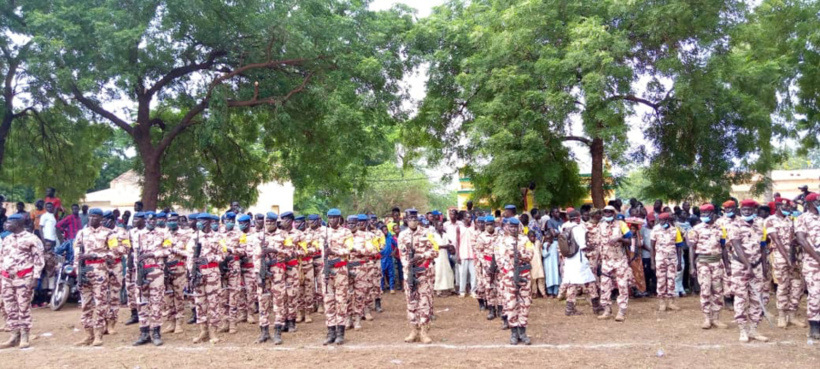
(173, 225)
(786, 213)
(666, 226)
(243, 226)
(160, 223)
(705, 219)
(150, 227)
(200, 225)
(750, 218)
(608, 219)
(214, 226)
(730, 214)
(229, 226)
(796, 213)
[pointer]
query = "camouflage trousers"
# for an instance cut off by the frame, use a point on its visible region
(115, 282)
(131, 288)
(790, 285)
(94, 298)
(16, 294)
(747, 307)
(206, 298)
(488, 282)
(305, 291)
(264, 294)
(590, 289)
(517, 299)
(250, 279)
(811, 271)
(150, 312)
(291, 283)
(480, 289)
(710, 276)
(615, 273)
(375, 278)
(359, 279)
(173, 305)
(318, 267)
(230, 294)
(420, 300)
(335, 296)
(594, 258)
(665, 270)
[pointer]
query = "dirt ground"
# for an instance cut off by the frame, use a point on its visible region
(462, 338)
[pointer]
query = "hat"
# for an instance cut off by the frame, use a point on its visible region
(729, 204)
(574, 213)
(811, 197)
(95, 211)
(108, 214)
(780, 200)
(244, 218)
(509, 207)
(707, 207)
(334, 213)
(313, 217)
(435, 212)
(748, 202)
(259, 216)
(192, 216)
(361, 217)
(287, 214)
(480, 219)
(411, 211)
(150, 214)
(663, 216)
(300, 218)
(650, 217)
(173, 214)
(803, 187)
(609, 207)
(513, 221)
(203, 216)
(230, 215)
(570, 209)
(16, 216)
(489, 219)
(352, 218)
(139, 214)
(162, 215)
(373, 216)
(215, 217)
(271, 215)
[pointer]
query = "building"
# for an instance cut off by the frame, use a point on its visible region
(125, 190)
(786, 182)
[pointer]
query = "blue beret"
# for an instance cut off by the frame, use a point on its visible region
(435, 212)
(193, 216)
(162, 215)
(260, 216)
(373, 216)
(480, 219)
(505, 220)
(334, 213)
(173, 214)
(108, 214)
(215, 217)
(287, 214)
(150, 214)
(489, 219)
(620, 217)
(244, 218)
(230, 215)
(139, 214)
(411, 211)
(352, 217)
(203, 216)
(300, 218)
(95, 211)
(425, 221)
(510, 207)
(16, 217)
(361, 217)
(514, 221)
(313, 217)
(271, 215)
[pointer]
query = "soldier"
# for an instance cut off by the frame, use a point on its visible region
(307, 289)
(289, 245)
(259, 223)
(418, 248)
(481, 295)
(233, 275)
(152, 248)
(375, 271)
(666, 252)
(93, 246)
(807, 230)
(577, 272)
(21, 261)
(591, 218)
(116, 276)
(786, 268)
(726, 222)
(485, 248)
(614, 237)
(174, 302)
(192, 231)
(707, 254)
(335, 279)
(206, 290)
(317, 236)
(248, 243)
(360, 255)
(265, 292)
(130, 277)
(747, 271)
(514, 275)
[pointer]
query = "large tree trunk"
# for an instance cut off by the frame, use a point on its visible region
(5, 129)
(596, 150)
(152, 170)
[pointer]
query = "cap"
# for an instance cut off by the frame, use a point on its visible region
(95, 211)
(489, 219)
(480, 219)
(203, 216)
(259, 216)
(435, 212)
(230, 215)
(609, 207)
(748, 202)
(803, 187)
(244, 218)
(361, 217)
(271, 215)
(729, 204)
(192, 216)
(574, 214)
(707, 207)
(313, 217)
(287, 214)
(411, 211)
(663, 216)
(650, 216)
(161, 215)
(173, 214)
(513, 221)
(334, 212)
(215, 217)
(108, 214)
(139, 214)
(509, 207)
(300, 218)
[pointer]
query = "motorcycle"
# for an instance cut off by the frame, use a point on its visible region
(66, 286)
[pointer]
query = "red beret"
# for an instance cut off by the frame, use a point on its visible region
(707, 207)
(772, 207)
(569, 209)
(811, 197)
(748, 202)
(650, 216)
(663, 216)
(780, 200)
(729, 203)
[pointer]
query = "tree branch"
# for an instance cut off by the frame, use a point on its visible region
(187, 121)
(636, 99)
(185, 70)
(91, 105)
(272, 100)
(580, 139)
(268, 65)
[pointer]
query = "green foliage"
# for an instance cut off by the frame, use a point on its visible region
(115, 161)
(795, 161)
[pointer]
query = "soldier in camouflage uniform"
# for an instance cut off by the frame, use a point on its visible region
(807, 230)
(307, 287)
(613, 236)
(264, 258)
(97, 243)
(375, 269)
(289, 246)
(335, 278)
(708, 256)
(748, 278)
(726, 223)
(515, 294)
(21, 261)
(248, 243)
(786, 268)
(421, 243)
(488, 275)
(360, 255)
(206, 291)
(115, 279)
(174, 302)
(666, 255)
(316, 235)
(233, 277)
(130, 277)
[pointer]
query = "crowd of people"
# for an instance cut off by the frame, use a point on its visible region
(278, 269)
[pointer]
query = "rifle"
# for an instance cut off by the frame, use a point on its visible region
(412, 269)
(516, 271)
(195, 277)
(84, 269)
(264, 265)
(326, 260)
(142, 279)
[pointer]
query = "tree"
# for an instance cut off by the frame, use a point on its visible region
(525, 70)
(255, 80)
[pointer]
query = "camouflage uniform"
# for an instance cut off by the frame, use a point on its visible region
(809, 224)
(317, 240)
(420, 298)
(100, 242)
(116, 276)
(265, 293)
(152, 291)
(488, 282)
(250, 273)
(335, 291)
(174, 303)
(666, 260)
(206, 294)
(290, 246)
(360, 254)
(748, 309)
(130, 275)
(516, 297)
(233, 277)
(21, 261)
(615, 269)
(711, 271)
(593, 251)
(375, 271)
(307, 285)
(726, 224)
(789, 281)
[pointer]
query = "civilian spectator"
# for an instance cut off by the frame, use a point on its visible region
(84, 215)
(466, 256)
(646, 255)
(51, 198)
(48, 227)
(445, 281)
(71, 224)
(137, 208)
(35, 215)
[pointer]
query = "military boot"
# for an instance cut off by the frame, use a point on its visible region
(264, 335)
(340, 334)
(232, 327)
(597, 309)
(522, 336)
(621, 315)
(490, 312)
(203, 333)
(414, 334)
(277, 334)
(781, 319)
(571, 310)
(756, 336)
(481, 305)
(143, 338)
(423, 337)
(13, 341)
(192, 320)
(223, 327)
(379, 305)
(134, 319)
(24, 339)
(744, 336)
(212, 331)
(331, 336)
(814, 330)
(791, 319)
(89, 337)
(156, 338)
(251, 319)
(672, 306)
(111, 325)
(716, 321)
(98, 333)
(707, 321)
(300, 315)
(308, 319)
(514, 335)
(606, 314)
(292, 326)
(367, 315)
(178, 326)
(170, 327)
(357, 323)
(504, 323)
(661, 304)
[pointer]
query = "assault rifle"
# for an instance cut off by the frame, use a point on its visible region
(412, 269)
(326, 260)
(519, 267)
(264, 266)
(82, 274)
(195, 277)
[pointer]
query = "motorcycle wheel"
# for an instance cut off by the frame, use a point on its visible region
(60, 296)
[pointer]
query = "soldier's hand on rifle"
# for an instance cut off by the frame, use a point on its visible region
(417, 259)
(146, 255)
(200, 260)
(88, 256)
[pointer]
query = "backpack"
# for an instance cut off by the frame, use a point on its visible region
(566, 243)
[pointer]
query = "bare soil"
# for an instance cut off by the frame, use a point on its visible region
(462, 338)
